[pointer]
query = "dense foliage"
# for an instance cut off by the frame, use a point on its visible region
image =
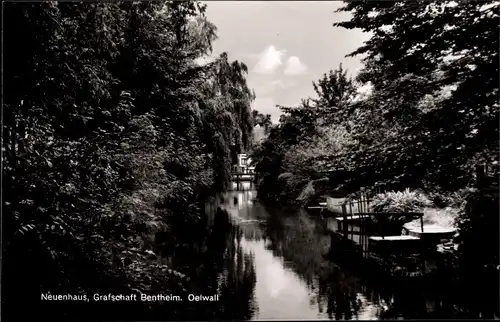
(114, 135)
(262, 120)
(443, 213)
(285, 161)
(433, 67)
(403, 201)
(420, 114)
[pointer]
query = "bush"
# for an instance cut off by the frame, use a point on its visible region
(406, 201)
(447, 199)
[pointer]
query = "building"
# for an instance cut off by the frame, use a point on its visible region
(244, 164)
(259, 133)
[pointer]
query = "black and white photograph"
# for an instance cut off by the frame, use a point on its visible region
(250, 160)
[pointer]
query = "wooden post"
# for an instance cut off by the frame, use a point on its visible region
(364, 208)
(344, 223)
(362, 235)
(382, 220)
(422, 223)
(361, 198)
(368, 202)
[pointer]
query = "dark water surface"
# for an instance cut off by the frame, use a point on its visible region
(267, 264)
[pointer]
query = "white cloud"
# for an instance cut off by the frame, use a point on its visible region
(294, 66)
(269, 60)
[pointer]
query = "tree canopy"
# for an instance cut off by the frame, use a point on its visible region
(433, 66)
(113, 132)
(304, 133)
(420, 114)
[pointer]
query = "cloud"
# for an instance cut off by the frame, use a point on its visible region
(277, 83)
(269, 60)
(265, 87)
(294, 66)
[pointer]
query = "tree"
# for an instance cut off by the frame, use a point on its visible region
(262, 120)
(335, 92)
(110, 140)
(286, 161)
(418, 51)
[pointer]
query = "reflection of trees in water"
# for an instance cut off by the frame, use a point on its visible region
(233, 272)
(237, 282)
(474, 296)
(302, 244)
(406, 302)
(249, 217)
(220, 268)
(378, 298)
(252, 231)
(300, 241)
(338, 294)
(438, 299)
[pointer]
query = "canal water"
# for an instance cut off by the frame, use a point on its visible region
(293, 280)
(270, 264)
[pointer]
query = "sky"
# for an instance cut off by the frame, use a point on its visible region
(285, 44)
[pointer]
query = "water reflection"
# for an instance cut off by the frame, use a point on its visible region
(293, 279)
(333, 293)
(271, 265)
(222, 267)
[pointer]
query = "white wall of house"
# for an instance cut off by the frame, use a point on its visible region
(258, 133)
(242, 160)
(244, 163)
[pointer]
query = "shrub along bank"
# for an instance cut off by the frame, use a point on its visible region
(113, 133)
